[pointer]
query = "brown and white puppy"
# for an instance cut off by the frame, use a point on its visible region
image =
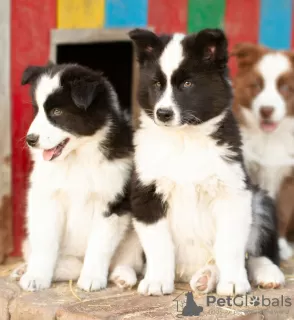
(264, 106)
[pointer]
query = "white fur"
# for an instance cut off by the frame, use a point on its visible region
(49, 136)
(286, 251)
(209, 212)
(270, 67)
(263, 272)
(67, 200)
(159, 249)
(269, 157)
(46, 86)
(170, 60)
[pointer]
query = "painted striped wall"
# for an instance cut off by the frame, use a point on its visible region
(269, 22)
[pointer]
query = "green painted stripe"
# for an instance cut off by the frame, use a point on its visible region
(205, 14)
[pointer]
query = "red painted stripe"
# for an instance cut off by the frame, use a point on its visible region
(31, 22)
(241, 24)
(168, 16)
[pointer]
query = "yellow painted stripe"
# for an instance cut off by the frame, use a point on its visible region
(80, 14)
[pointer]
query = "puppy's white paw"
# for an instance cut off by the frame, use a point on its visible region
(124, 277)
(91, 283)
(205, 279)
(230, 288)
(266, 274)
(30, 282)
(155, 288)
(285, 249)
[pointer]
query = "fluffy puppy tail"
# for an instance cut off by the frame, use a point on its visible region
(263, 240)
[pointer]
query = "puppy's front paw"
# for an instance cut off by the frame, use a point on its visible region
(230, 288)
(155, 288)
(268, 276)
(91, 283)
(30, 282)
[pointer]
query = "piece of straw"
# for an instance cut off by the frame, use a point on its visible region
(72, 291)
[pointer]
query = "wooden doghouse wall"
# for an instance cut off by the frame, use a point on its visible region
(260, 21)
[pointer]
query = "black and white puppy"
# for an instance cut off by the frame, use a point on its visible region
(191, 198)
(78, 214)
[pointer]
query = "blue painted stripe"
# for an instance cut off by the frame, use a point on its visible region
(126, 13)
(275, 23)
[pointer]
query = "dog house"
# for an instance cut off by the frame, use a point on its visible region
(109, 51)
(94, 33)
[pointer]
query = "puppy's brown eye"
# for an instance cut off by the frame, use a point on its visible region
(56, 112)
(187, 84)
(285, 88)
(256, 86)
(157, 85)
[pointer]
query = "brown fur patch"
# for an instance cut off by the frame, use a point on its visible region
(247, 82)
(247, 54)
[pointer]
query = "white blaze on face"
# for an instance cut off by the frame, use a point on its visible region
(271, 67)
(49, 135)
(170, 60)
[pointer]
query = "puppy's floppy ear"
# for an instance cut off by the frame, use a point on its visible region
(147, 44)
(31, 73)
(247, 54)
(83, 92)
(209, 45)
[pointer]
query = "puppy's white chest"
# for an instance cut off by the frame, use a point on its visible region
(268, 158)
(180, 157)
(82, 187)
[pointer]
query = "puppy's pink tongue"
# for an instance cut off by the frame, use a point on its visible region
(48, 154)
(268, 127)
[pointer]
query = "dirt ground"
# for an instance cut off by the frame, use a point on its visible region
(65, 302)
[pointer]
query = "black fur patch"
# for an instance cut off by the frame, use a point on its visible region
(148, 45)
(119, 140)
(147, 206)
(121, 205)
(229, 133)
(266, 224)
(85, 98)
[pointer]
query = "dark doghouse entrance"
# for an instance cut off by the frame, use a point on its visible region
(114, 58)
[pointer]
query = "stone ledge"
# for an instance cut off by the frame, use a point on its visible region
(60, 303)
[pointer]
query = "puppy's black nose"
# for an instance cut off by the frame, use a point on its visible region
(164, 114)
(32, 139)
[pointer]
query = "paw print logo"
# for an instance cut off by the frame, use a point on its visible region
(254, 301)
